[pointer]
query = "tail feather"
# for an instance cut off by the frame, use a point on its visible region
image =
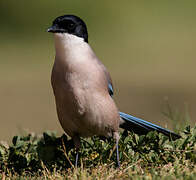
(141, 126)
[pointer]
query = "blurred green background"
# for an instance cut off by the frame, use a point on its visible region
(148, 47)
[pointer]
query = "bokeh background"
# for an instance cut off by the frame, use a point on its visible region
(149, 47)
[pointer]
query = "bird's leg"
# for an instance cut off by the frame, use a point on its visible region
(116, 137)
(76, 161)
(76, 140)
(117, 154)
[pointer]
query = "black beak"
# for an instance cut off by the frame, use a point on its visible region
(52, 29)
(56, 29)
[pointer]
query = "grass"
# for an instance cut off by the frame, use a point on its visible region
(152, 156)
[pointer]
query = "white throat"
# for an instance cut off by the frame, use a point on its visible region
(68, 39)
(71, 47)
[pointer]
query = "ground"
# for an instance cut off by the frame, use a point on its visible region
(151, 156)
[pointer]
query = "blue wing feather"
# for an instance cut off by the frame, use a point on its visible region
(138, 125)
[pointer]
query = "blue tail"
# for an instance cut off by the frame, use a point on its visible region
(140, 126)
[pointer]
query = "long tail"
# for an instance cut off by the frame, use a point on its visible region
(141, 127)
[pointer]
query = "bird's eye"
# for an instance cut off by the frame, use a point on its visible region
(71, 25)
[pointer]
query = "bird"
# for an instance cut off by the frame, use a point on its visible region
(83, 89)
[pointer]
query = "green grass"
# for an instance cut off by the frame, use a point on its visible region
(152, 156)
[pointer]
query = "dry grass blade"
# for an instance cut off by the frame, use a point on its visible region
(64, 150)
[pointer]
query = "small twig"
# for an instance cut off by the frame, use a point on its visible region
(3, 176)
(109, 165)
(178, 150)
(125, 155)
(112, 151)
(45, 171)
(131, 166)
(112, 174)
(64, 150)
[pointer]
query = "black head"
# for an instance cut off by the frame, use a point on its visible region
(70, 24)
